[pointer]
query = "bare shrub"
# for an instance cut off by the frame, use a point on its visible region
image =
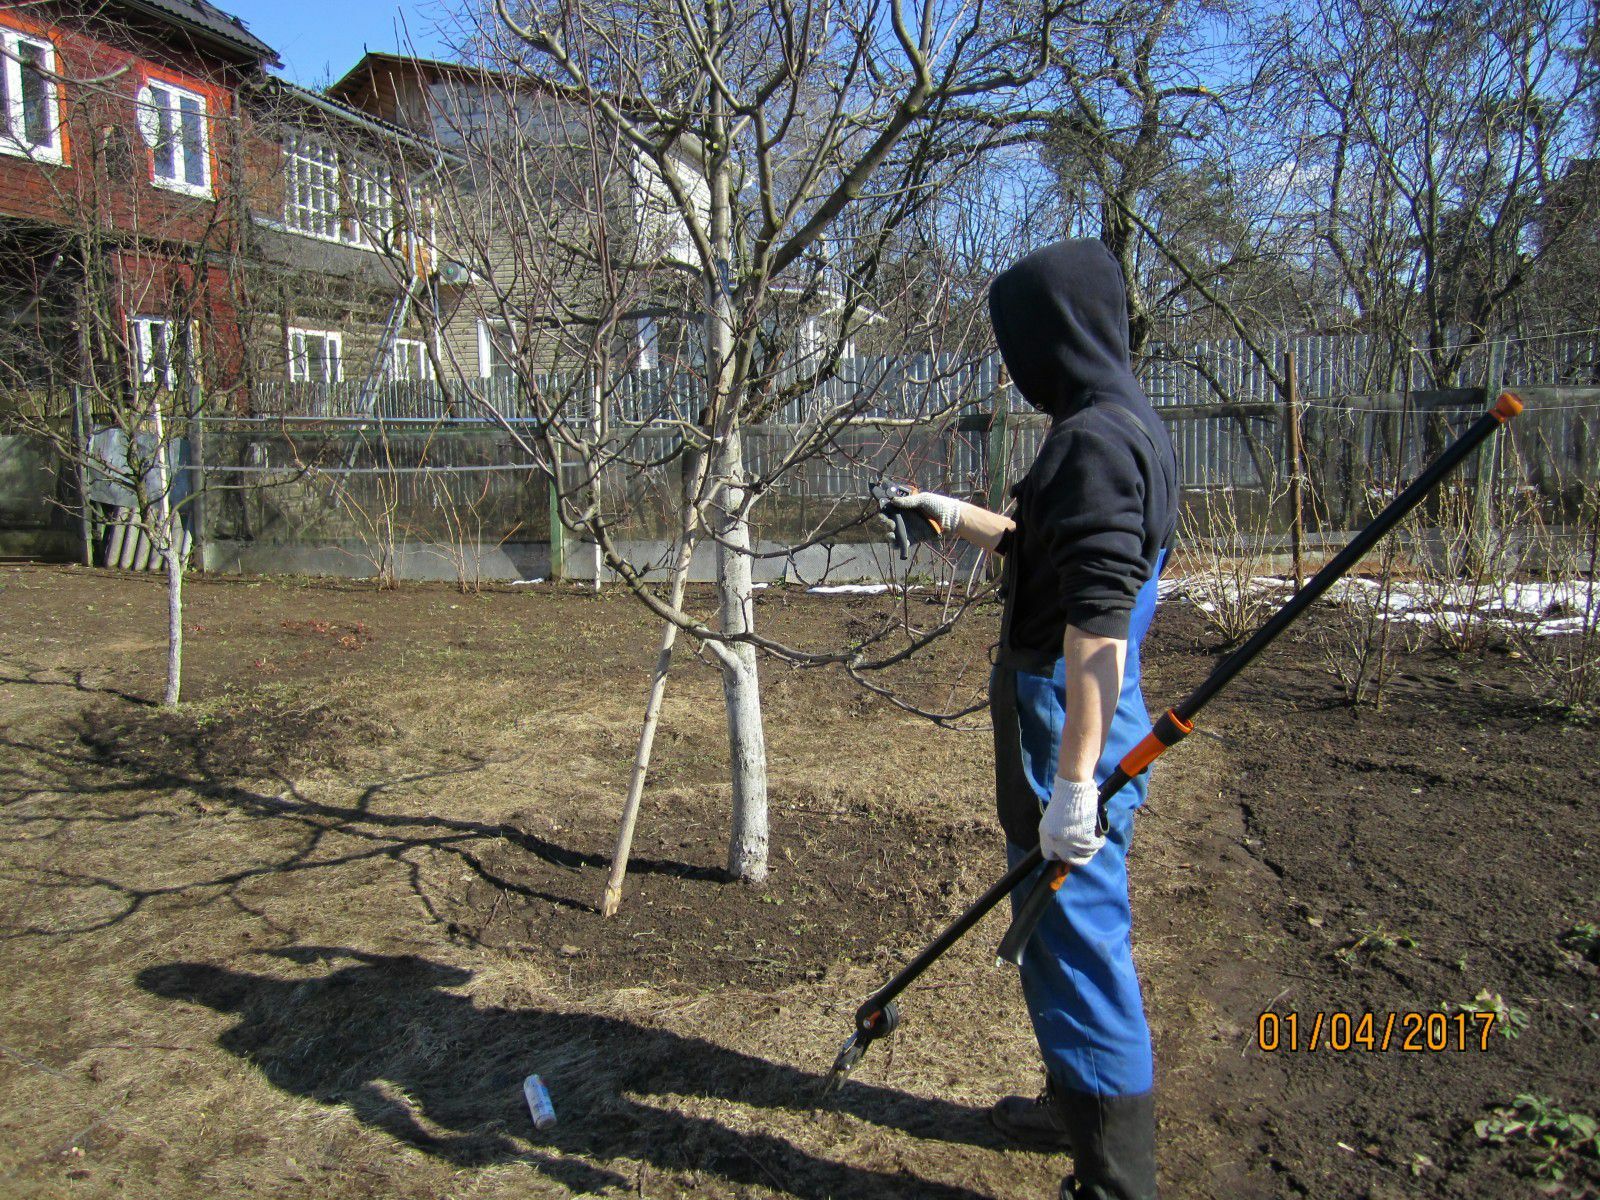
(373, 517)
(1366, 633)
(1475, 548)
(461, 510)
(1560, 645)
(1227, 547)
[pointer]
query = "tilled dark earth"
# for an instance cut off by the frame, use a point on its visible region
(841, 896)
(306, 936)
(1427, 853)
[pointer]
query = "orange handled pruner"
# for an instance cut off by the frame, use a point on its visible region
(910, 526)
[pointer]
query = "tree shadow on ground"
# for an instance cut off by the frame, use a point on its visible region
(142, 761)
(76, 680)
(437, 1071)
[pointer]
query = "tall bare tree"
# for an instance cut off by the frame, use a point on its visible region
(1441, 133)
(138, 271)
(730, 194)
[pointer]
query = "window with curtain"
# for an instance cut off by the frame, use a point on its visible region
(173, 122)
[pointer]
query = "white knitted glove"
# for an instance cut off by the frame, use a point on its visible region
(944, 511)
(1066, 831)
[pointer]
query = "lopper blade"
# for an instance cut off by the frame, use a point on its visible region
(849, 1055)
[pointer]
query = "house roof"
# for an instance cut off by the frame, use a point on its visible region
(372, 60)
(206, 22)
(348, 87)
(372, 124)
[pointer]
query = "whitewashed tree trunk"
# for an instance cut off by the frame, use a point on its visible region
(741, 683)
(173, 549)
(167, 537)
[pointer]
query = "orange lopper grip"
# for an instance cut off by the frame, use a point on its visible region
(1169, 731)
(1505, 407)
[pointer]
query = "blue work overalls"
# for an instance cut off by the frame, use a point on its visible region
(1078, 976)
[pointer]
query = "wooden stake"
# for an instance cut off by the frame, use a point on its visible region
(80, 462)
(612, 899)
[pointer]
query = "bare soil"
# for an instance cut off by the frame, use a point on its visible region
(306, 936)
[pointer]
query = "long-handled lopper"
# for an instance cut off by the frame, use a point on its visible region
(878, 1017)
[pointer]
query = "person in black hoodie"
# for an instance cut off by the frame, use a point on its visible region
(1093, 521)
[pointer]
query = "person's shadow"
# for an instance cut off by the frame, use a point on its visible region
(443, 1074)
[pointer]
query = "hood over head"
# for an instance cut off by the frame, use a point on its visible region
(1061, 321)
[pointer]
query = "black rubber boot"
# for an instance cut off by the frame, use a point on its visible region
(1038, 1123)
(1113, 1146)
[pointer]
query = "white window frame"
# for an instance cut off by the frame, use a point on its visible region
(300, 359)
(333, 197)
(160, 103)
(486, 328)
(408, 352)
(811, 341)
(13, 120)
(372, 215)
(179, 348)
(311, 197)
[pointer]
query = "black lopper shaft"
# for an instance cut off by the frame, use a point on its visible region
(1178, 721)
(874, 1019)
(867, 1014)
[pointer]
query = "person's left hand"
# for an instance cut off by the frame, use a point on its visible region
(1067, 829)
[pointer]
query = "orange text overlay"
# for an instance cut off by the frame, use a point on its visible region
(1411, 1032)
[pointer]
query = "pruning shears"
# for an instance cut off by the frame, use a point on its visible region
(910, 527)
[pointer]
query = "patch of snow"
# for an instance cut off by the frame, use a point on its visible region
(526, 582)
(1512, 606)
(1555, 625)
(859, 589)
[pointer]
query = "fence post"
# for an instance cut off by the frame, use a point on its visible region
(80, 456)
(558, 532)
(1296, 456)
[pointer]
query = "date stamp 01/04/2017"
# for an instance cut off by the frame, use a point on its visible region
(1409, 1032)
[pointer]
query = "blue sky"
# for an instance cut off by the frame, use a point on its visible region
(319, 40)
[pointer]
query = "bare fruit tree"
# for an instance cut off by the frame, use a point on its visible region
(125, 283)
(733, 203)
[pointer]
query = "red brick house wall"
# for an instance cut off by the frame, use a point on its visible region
(153, 239)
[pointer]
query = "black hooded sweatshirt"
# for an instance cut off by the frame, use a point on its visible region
(1100, 502)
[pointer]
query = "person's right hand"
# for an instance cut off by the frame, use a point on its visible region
(1067, 831)
(943, 511)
